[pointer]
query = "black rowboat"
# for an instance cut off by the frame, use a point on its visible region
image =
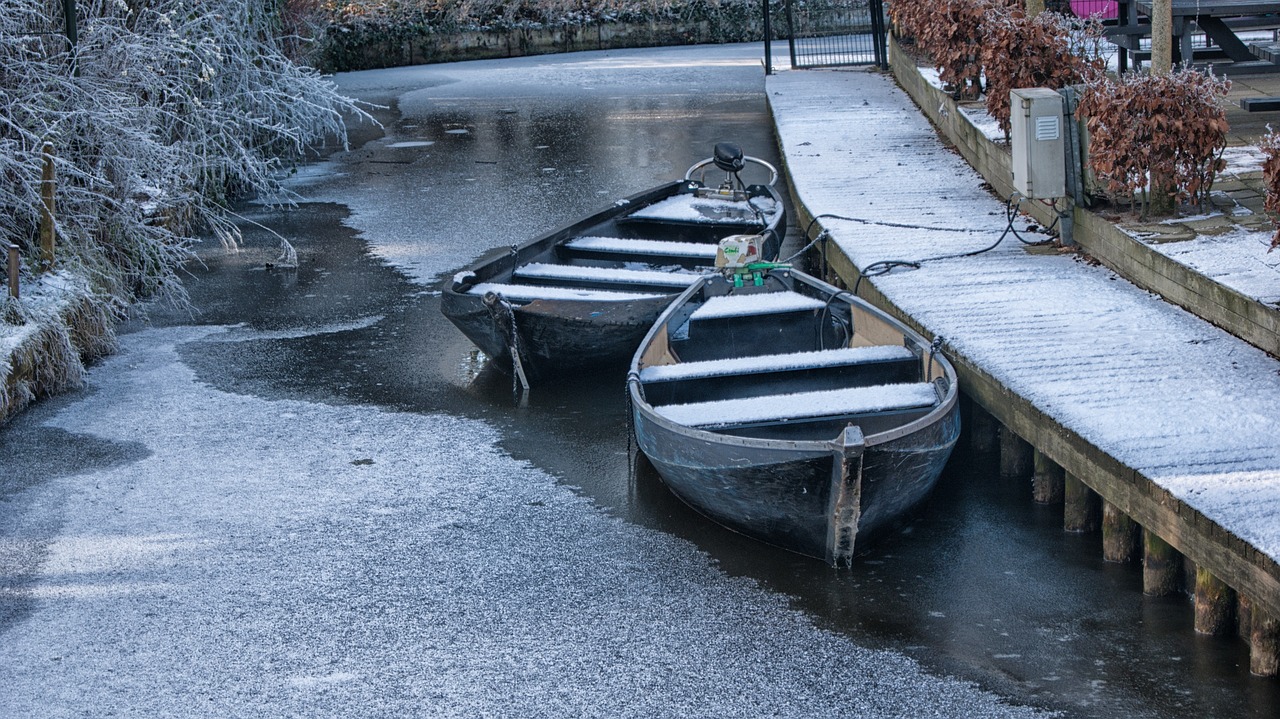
(791, 411)
(583, 296)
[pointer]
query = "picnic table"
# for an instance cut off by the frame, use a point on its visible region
(1219, 20)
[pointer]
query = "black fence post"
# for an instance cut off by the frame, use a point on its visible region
(791, 35)
(879, 41)
(768, 40)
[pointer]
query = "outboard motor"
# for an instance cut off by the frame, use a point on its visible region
(738, 257)
(728, 157)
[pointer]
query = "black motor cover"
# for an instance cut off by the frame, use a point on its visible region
(728, 157)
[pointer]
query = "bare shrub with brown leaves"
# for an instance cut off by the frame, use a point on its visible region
(1143, 126)
(1048, 50)
(952, 34)
(1270, 146)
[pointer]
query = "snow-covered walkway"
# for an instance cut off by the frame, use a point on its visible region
(1183, 403)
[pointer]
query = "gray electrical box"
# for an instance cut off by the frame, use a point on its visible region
(1036, 135)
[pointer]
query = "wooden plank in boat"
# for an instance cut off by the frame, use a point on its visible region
(755, 304)
(544, 271)
(529, 293)
(803, 405)
(691, 209)
(624, 246)
(775, 362)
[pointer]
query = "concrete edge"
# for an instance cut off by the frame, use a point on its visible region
(1234, 561)
(1245, 317)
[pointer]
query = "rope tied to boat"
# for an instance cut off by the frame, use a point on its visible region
(633, 377)
(504, 317)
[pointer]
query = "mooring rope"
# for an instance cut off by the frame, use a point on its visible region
(631, 425)
(501, 310)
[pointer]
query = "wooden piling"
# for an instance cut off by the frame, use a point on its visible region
(1046, 487)
(1119, 535)
(982, 429)
(1161, 566)
(1264, 644)
(1081, 510)
(1215, 604)
(1244, 614)
(1189, 570)
(47, 207)
(1015, 455)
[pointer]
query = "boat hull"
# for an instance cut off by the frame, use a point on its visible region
(807, 501)
(792, 412)
(557, 338)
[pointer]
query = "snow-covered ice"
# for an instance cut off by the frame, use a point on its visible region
(320, 560)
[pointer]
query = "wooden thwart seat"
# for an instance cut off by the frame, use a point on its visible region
(755, 305)
(653, 252)
(802, 406)
(691, 209)
(749, 324)
(529, 293)
(741, 377)
(603, 277)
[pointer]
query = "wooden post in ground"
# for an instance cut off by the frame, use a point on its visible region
(1161, 197)
(1080, 506)
(1215, 602)
(1015, 454)
(1119, 535)
(982, 429)
(47, 187)
(1162, 37)
(1161, 566)
(13, 261)
(1046, 487)
(1264, 644)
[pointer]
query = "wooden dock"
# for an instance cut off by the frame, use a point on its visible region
(1135, 412)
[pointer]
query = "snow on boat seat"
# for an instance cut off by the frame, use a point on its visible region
(576, 273)
(741, 325)
(758, 304)
(802, 406)
(689, 208)
(793, 361)
(529, 293)
(736, 377)
(656, 248)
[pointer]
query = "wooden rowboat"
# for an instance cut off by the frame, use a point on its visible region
(791, 411)
(582, 296)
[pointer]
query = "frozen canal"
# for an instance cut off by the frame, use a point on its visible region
(311, 498)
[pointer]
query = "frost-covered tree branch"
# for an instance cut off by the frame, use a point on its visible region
(174, 109)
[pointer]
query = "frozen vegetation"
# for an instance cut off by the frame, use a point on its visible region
(157, 115)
